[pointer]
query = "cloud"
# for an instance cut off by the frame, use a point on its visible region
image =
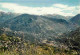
(60, 5)
(54, 9)
(1, 10)
(66, 7)
(78, 9)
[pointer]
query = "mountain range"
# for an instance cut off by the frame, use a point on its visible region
(40, 27)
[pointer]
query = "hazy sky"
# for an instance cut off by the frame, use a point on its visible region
(40, 7)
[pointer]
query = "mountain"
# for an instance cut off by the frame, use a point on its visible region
(41, 29)
(76, 19)
(58, 16)
(37, 26)
(5, 16)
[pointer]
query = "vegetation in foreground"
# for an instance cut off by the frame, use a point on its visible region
(11, 45)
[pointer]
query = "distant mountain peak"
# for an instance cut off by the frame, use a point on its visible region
(78, 14)
(57, 16)
(76, 19)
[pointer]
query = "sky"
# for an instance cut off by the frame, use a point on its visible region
(41, 7)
